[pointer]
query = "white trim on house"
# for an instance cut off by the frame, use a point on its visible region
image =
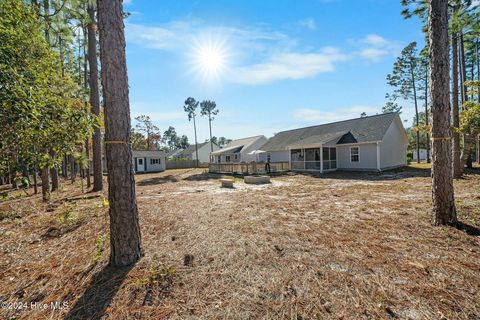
(358, 153)
(378, 157)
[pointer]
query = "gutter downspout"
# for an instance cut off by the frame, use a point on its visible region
(321, 158)
(378, 157)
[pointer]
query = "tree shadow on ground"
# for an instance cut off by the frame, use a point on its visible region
(158, 180)
(394, 174)
(98, 296)
(204, 176)
(469, 229)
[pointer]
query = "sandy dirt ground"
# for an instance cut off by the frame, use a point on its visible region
(335, 246)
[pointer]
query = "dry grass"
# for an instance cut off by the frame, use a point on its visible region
(344, 245)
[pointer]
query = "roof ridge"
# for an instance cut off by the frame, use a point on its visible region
(340, 121)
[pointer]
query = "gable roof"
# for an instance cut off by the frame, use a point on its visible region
(147, 153)
(359, 130)
(190, 150)
(174, 153)
(238, 145)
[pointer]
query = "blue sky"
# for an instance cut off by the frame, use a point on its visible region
(277, 65)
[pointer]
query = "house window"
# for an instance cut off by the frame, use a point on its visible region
(154, 161)
(227, 158)
(219, 159)
(235, 156)
(354, 154)
(140, 161)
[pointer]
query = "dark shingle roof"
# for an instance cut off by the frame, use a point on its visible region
(190, 149)
(366, 129)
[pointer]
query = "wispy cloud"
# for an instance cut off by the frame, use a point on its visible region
(374, 47)
(291, 65)
(308, 23)
(318, 116)
(258, 55)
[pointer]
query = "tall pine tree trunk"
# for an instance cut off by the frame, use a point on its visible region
(427, 120)
(94, 101)
(54, 174)
(443, 212)
(125, 239)
(196, 143)
(210, 126)
(468, 138)
(45, 181)
(417, 138)
(457, 170)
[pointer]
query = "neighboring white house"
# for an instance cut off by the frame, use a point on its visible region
(371, 143)
(423, 154)
(239, 150)
(190, 153)
(148, 161)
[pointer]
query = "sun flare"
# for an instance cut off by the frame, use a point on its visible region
(210, 60)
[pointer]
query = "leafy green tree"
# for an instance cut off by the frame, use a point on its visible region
(42, 110)
(151, 131)
(170, 138)
(183, 142)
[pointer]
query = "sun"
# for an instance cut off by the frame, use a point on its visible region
(209, 60)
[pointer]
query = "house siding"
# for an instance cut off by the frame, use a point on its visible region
(146, 156)
(393, 147)
(279, 156)
(244, 154)
(203, 153)
(367, 158)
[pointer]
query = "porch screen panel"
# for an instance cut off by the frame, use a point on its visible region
(298, 159)
(329, 158)
(312, 159)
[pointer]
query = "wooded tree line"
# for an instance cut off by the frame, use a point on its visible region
(50, 97)
(451, 28)
(410, 79)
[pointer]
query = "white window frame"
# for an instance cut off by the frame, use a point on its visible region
(358, 153)
(235, 156)
(154, 161)
(229, 159)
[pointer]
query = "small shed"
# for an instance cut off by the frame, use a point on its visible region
(148, 160)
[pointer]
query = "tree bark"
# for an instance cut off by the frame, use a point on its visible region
(196, 144)
(45, 182)
(94, 101)
(427, 121)
(210, 126)
(72, 167)
(35, 188)
(468, 139)
(457, 170)
(125, 238)
(54, 174)
(443, 212)
(65, 167)
(412, 73)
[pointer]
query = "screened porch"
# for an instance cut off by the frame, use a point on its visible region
(314, 159)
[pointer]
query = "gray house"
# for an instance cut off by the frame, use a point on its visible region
(204, 150)
(371, 143)
(148, 161)
(239, 150)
